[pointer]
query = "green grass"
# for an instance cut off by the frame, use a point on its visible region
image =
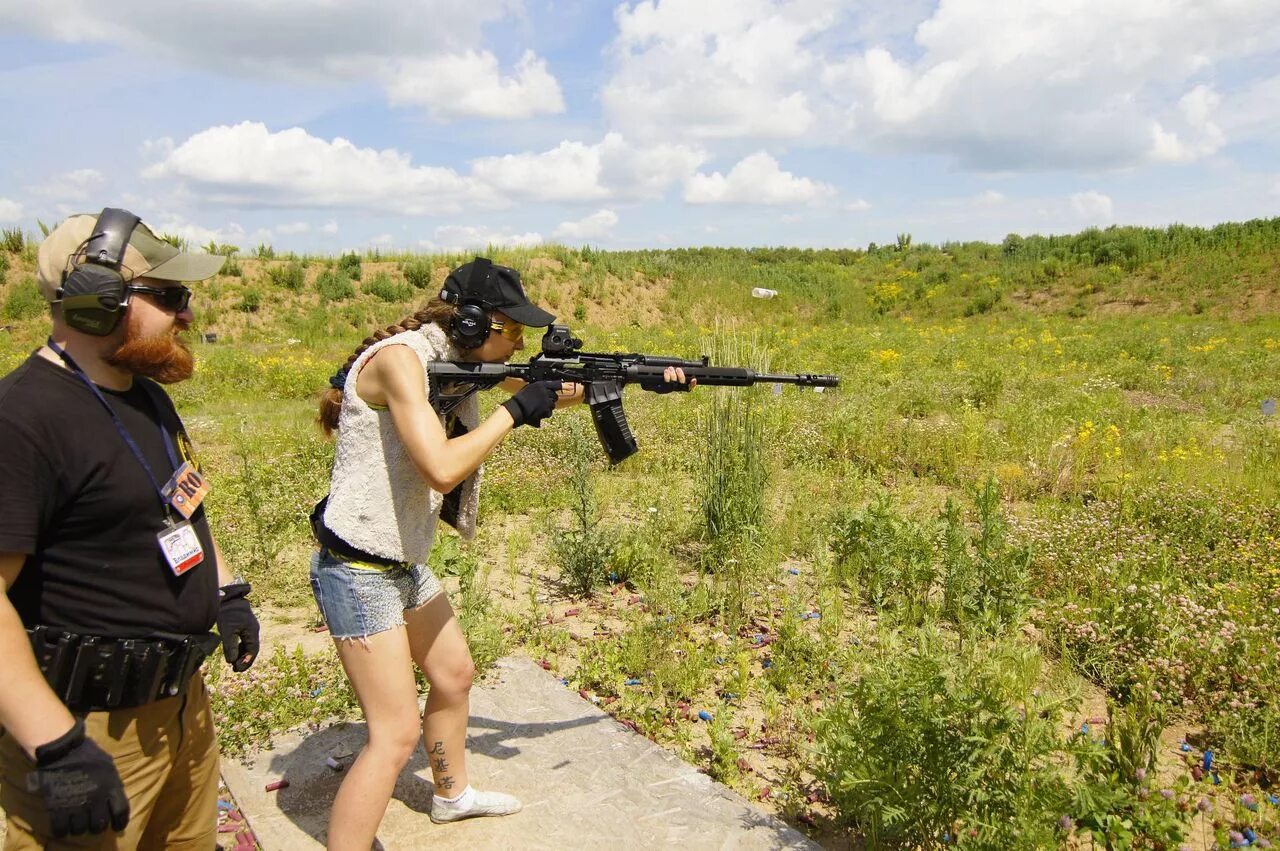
(1046, 456)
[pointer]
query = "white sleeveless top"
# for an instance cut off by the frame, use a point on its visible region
(378, 501)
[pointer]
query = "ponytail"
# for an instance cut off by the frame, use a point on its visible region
(436, 311)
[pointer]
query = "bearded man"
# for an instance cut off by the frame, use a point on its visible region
(111, 579)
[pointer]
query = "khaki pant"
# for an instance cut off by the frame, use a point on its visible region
(167, 756)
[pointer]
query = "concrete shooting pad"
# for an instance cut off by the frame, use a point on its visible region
(586, 781)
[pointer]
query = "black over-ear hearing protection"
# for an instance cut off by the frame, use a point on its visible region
(93, 290)
(470, 324)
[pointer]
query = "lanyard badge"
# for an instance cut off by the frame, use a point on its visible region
(185, 490)
(181, 547)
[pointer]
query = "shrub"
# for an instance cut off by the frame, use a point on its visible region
(289, 276)
(417, 272)
(385, 289)
(250, 301)
(888, 558)
(24, 301)
(349, 265)
(985, 579)
(983, 302)
(930, 748)
(4, 266)
(986, 387)
(334, 286)
(264, 252)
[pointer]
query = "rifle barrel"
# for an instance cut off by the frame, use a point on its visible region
(803, 379)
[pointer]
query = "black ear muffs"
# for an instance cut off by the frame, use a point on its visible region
(470, 325)
(92, 294)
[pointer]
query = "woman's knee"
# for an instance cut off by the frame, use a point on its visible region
(395, 741)
(453, 679)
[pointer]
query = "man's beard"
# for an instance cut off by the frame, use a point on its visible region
(164, 358)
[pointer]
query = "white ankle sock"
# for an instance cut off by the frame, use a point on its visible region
(462, 801)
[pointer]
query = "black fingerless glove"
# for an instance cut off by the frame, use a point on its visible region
(237, 626)
(79, 784)
(533, 403)
(669, 387)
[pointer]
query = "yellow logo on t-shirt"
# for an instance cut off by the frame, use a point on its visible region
(186, 451)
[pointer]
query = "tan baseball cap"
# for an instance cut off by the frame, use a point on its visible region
(146, 256)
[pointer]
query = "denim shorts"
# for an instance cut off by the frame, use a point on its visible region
(357, 601)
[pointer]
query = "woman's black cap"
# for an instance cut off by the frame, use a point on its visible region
(494, 287)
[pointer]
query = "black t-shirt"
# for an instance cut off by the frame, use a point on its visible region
(75, 500)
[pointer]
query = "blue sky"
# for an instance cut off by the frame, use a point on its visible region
(422, 125)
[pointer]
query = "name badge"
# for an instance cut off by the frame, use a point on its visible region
(186, 490)
(181, 547)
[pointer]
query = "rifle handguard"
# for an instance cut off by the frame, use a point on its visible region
(605, 400)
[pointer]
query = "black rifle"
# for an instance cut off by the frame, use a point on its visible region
(603, 375)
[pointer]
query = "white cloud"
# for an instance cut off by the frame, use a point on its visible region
(329, 227)
(199, 236)
(756, 179)
(989, 198)
(393, 43)
(292, 228)
(467, 237)
(573, 171)
(1093, 207)
(858, 205)
(598, 225)
(71, 186)
(251, 166)
(713, 69)
(1038, 84)
(1203, 136)
(471, 84)
(10, 211)
(382, 240)
(1043, 84)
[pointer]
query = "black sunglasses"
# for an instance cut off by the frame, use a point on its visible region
(174, 299)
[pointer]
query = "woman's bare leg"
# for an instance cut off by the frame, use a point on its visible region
(440, 649)
(381, 672)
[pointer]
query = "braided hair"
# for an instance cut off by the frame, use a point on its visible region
(436, 311)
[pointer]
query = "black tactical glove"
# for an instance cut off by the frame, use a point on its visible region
(675, 385)
(80, 786)
(237, 626)
(533, 403)
(670, 387)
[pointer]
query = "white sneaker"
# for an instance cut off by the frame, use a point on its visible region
(480, 804)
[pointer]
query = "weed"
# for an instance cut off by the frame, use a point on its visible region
(349, 265)
(931, 745)
(24, 301)
(586, 549)
(417, 273)
(279, 692)
(385, 289)
(287, 276)
(12, 240)
(332, 285)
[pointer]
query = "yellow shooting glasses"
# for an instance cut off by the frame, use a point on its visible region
(509, 328)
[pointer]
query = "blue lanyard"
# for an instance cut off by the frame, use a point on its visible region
(124, 432)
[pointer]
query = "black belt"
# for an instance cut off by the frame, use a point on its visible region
(90, 673)
(329, 540)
